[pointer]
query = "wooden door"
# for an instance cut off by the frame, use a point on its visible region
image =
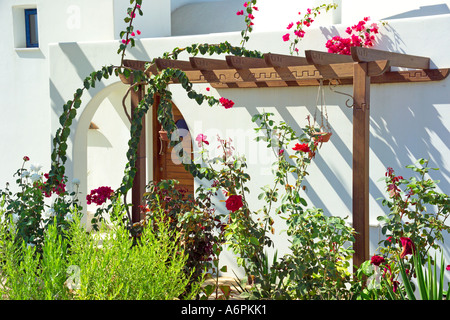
(168, 161)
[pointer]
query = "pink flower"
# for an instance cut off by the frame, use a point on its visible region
(245, 4)
(138, 32)
(240, 13)
(208, 88)
(251, 16)
(201, 138)
(226, 103)
(448, 268)
(138, 6)
(133, 34)
(290, 25)
(408, 246)
(299, 33)
(286, 37)
(255, 8)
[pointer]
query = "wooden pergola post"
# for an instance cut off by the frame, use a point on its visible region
(139, 181)
(361, 126)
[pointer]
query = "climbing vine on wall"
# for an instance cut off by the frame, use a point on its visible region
(155, 84)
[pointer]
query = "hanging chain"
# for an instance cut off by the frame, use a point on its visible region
(323, 107)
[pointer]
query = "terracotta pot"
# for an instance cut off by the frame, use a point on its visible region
(322, 136)
(163, 135)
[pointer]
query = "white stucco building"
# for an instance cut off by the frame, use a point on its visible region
(408, 120)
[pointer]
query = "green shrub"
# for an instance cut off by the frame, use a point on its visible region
(104, 265)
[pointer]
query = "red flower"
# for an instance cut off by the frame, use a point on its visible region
(226, 103)
(448, 268)
(377, 260)
(234, 202)
(286, 37)
(240, 13)
(138, 32)
(99, 195)
(301, 147)
(26, 158)
(408, 246)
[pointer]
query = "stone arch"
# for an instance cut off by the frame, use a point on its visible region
(101, 142)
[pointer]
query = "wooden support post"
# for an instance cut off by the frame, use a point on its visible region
(361, 123)
(139, 181)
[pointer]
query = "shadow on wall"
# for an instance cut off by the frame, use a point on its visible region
(185, 19)
(407, 123)
(431, 10)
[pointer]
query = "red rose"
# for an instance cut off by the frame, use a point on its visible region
(234, 202)
(377, 260)
(301, 147)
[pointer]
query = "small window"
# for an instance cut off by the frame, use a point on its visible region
(31, 28)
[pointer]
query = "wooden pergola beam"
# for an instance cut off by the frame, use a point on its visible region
(360, 54)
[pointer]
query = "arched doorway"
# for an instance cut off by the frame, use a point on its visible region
(168, 161)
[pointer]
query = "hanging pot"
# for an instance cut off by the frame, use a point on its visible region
(163, 135)
(321, 136)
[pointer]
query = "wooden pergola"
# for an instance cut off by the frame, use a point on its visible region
(363, 67)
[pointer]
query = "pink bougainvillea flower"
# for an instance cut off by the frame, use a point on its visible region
(255, 8)
(245, 4)
(234, 202)
(226, 103)
(286, 37)
(408, 246)
(240, 13)
(133, 34)
(448, 268)
(251, 16)
(138, 32)
(376, 260)
(301, 147)
(201, 138)
(299, 33)
(290, 25)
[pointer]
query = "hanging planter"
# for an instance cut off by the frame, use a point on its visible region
(323, 133)
(163, 135)
(321, 136)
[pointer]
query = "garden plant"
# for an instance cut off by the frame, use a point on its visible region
(182, 237)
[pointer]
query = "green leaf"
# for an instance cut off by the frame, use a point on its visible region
(254, 241)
